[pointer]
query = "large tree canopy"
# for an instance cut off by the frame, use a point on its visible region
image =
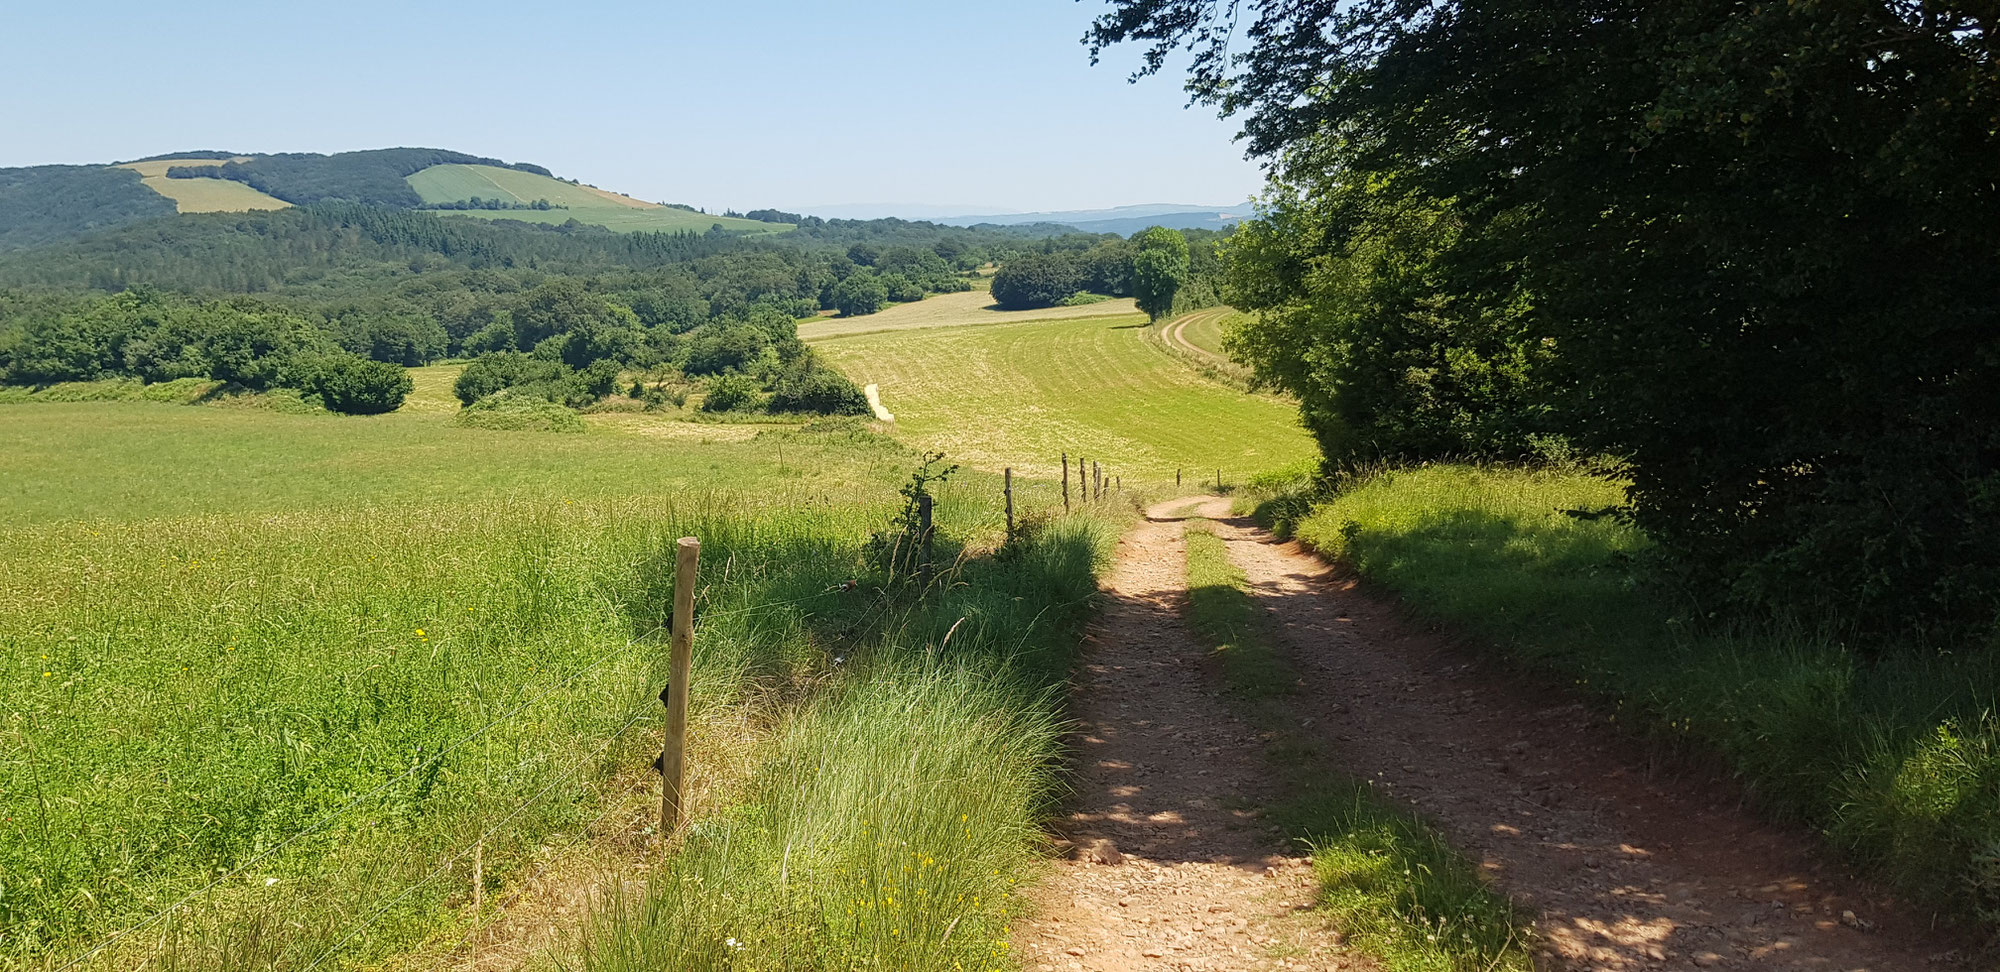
(1753, 249)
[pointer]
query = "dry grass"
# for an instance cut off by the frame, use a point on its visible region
(202, 195)
(972, 307)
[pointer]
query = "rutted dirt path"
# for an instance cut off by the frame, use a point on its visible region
(1168, 870)
(1627, 870)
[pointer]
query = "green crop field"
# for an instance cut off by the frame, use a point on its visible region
(456, 183)
(1018, 394)
(202, 195)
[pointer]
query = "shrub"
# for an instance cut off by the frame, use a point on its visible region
(817, 389)
(348, 383)
(730, 393)
(497, 373)
(859, 294)
(509, 412)
(1037, 280)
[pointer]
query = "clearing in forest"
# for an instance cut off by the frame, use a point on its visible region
(598, 207)
(202, 195)
(1020, 394)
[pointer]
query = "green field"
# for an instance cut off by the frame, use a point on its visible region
(1020, 394)
(202, 195)
(456, 183)
(286, 670)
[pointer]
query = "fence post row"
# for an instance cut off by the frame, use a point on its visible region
(680, 662)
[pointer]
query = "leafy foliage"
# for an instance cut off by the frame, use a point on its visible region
(1755, 240)
(349, 383)
(1159, 268)
(861, 293)
(1037, 280)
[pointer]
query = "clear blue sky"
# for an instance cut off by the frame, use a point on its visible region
(740, 103)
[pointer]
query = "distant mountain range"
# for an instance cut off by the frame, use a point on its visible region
(1123, 220)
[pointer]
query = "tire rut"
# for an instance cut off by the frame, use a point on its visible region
(1169, 866)
(1628, 868)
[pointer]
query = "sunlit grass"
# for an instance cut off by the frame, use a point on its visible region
(1021, 394)
(1892, 751)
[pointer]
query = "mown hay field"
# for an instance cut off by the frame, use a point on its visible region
(1019, 394)
(456, 183)
(971, 308)
(202, 195)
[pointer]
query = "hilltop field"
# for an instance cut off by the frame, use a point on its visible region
(598, 207)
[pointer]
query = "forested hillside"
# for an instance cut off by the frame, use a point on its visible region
(46, 203)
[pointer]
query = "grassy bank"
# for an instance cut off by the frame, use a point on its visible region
(1893, 753)
(900, 808)
(1387, 879)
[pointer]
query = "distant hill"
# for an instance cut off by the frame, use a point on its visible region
(515, 194)
(1123, 220)
(1150, 213)
(47, 204)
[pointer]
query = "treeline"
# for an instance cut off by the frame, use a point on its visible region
(539, 205)
(157, 338)
(374, 177)
(1067, 269)
(48, 203)
(1743, 252)
(562, 343)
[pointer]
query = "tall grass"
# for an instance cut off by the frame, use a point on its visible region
(1892, 752)
(1387, 879)
(900, 809)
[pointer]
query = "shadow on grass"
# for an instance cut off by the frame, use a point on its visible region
(1893, 755)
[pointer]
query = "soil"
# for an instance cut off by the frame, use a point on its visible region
(1627, 865)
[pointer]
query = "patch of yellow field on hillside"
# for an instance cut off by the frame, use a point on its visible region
(203, 195)
(973, 307)
(621, 200)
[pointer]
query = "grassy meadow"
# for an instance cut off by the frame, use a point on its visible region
(1893, 755)
(456, 183)
(1019, 394)
(272, 677)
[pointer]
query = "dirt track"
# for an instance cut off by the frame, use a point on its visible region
(1627, 869)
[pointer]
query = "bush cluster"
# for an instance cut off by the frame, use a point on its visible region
(155, 338)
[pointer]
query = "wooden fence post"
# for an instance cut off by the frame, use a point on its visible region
(1010, 503)
(924, 536)
(680, 662)
(1065, 465)
(1177, 479)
